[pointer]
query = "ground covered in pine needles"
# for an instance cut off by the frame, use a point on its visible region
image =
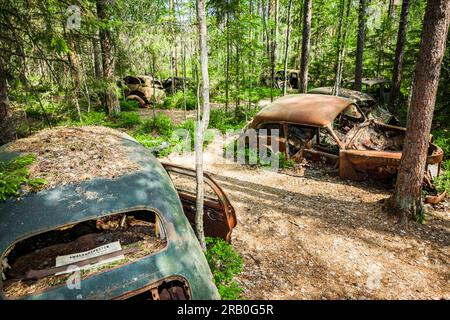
(304, 233)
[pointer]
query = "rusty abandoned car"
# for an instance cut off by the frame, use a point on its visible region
(111, 212)
(365, 102)
(335, 130)
(143, 89)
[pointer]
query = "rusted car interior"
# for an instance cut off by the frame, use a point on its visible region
(31, 260)
(336, 131)
(370, 107)
(219, 215)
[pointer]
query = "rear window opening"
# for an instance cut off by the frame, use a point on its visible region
(41, 261)
(167, 290)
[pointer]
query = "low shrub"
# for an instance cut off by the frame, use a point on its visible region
(176, 100)
(225, 263)
(161, 124)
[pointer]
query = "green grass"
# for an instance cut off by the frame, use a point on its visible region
(225, 263)
(14, 175)
(253, 154)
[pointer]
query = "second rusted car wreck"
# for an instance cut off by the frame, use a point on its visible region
(335, 130)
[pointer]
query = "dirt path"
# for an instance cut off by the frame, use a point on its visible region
(306, 234)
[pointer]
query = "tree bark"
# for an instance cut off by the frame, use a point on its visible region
(303, 78)
(227, 71)
(273, 18)
(360, 45)
(203, 123)
(7, 123)
(75, 69)
(97, 56)
(286, 49)
(399, 52)
(406, 199)
(110, 99)
(342, 39)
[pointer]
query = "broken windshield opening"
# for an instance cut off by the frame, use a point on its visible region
(48, 259)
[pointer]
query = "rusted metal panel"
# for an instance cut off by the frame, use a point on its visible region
(308, 109)
(219, 218)
(363, 149)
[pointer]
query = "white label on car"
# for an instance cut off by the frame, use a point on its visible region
(72, 259)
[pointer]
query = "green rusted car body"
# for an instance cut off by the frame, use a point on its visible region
(177, 271)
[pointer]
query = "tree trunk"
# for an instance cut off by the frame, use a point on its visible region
(360, 45)
(203, 123)
(75, 70)
(7, 125)
(227, 71)
(303, 78)
(273, 19)
(286, 49)
(97, 56)
(342, 38)
(399, 51)
(110, 99)
(406, 199)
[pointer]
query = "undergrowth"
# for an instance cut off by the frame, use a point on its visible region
(225, 263)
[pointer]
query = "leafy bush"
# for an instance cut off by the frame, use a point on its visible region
(161, 124)
(252, 153)
(125, 120)
(229, 120)
(225, 263)
(176, 100)
(14, 175)
(122, 120)
(442, 182)
(94, 118)
(129, 105)
(442, 139)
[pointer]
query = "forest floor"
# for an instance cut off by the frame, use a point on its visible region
(177, 115)
(304, 233)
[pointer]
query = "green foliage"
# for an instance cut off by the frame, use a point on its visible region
(14, 175)
(161, 124)
(129, 105)
(125, 120)
(176, 100)
(225, 264)
(229, 120)
(442, 182)
(252, 154)
(152, 142)
(442, 139)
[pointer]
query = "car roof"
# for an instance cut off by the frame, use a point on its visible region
(345, 93)
(309, 109)
(149, 187)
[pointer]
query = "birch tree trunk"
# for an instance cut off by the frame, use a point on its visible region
(360, 45)
(304, 60)
(399, 52)
(406, 199)
(204, 121)
(286, 48)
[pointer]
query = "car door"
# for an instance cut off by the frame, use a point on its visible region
(219, 215)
